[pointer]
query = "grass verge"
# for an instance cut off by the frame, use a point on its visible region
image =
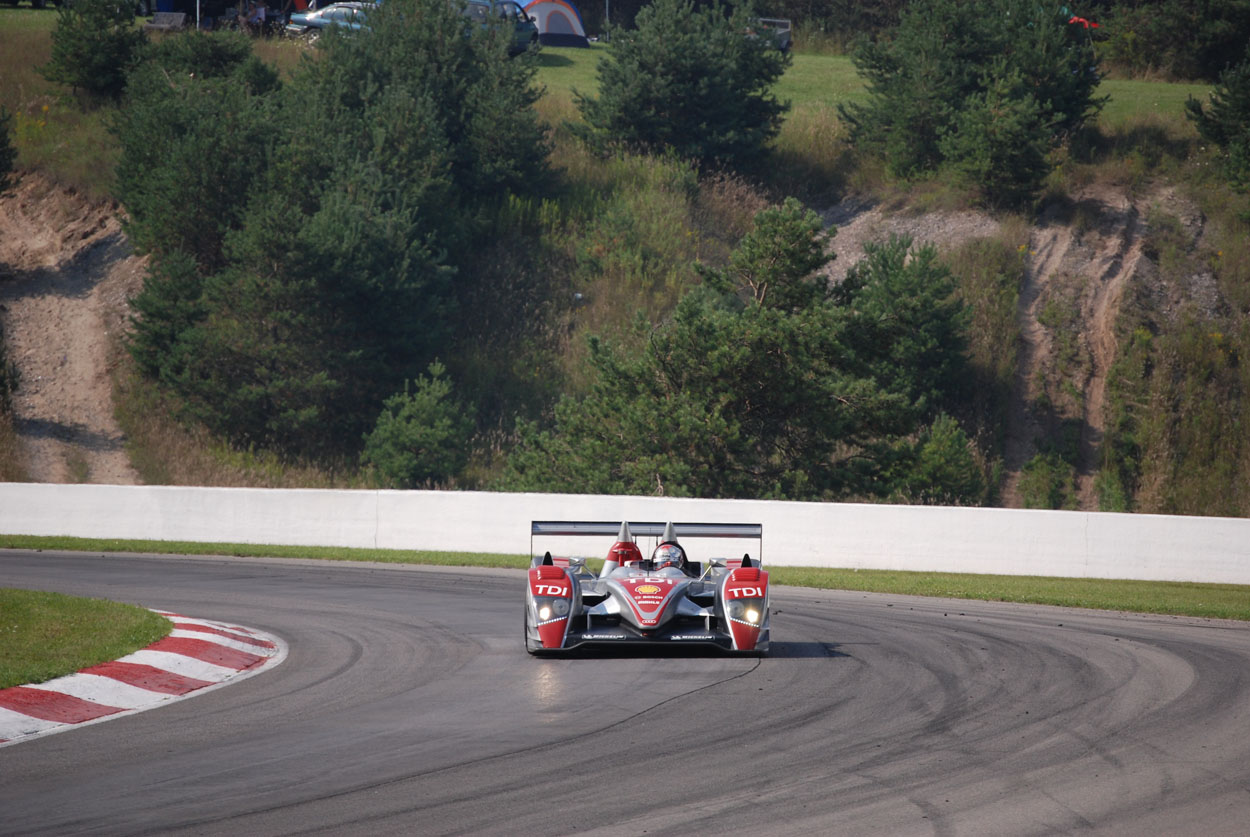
(46, 635)
(251, 550)
(1214, 601)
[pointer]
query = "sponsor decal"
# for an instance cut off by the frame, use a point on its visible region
(699, 637)
(550, 590)
(646, 596)
(745, 592)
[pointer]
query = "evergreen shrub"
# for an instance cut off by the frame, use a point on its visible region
(1226, 121)
(691, 79)
(94, 45)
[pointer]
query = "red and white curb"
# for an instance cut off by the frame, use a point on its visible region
(197, 657)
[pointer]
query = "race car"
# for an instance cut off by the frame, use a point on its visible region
(664, 599)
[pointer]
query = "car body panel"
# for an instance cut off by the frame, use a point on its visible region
(349, 16)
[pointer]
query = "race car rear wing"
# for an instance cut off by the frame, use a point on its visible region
(682, 530)
(607, 528)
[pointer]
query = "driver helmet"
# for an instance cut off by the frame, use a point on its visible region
(668, 555)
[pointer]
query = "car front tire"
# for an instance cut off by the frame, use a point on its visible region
(530, 649)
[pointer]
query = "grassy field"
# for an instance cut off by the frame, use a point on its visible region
(1146, 99)
(46, 635)
(824, 81)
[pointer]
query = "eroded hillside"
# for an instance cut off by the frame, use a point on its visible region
(66, 274)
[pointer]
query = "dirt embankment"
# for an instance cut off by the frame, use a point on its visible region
(1081, 258)
(66, 274)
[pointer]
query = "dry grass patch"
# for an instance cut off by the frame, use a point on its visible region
(166, 452)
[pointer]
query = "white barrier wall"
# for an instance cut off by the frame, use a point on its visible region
(919, 538)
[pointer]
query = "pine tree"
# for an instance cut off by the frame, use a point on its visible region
(421, 436)
(94, 45)
(1226, 122)
(939, 88)
(690, 79)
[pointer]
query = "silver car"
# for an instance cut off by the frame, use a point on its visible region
(665, 599)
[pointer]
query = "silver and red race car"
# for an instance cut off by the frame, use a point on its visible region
(664, 599)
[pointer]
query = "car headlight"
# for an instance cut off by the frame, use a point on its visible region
(747, 611)
(551, 607)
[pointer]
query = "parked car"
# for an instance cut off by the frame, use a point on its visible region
(352, 15)
(779, 30)
(310, 24)
(509, 14)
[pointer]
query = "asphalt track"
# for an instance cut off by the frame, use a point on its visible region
(407, 705)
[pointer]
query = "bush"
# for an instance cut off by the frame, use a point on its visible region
(10, 378)
(1048, 482)
(907, 326)
(204, 54)
(773, 263)
(1227, 122)
(986, 85)
(940, 468)
(688, 79)
(8, 153)
(196, 135)
(1002, 140)
(170, 305)
(94, 45)
(421, 436)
